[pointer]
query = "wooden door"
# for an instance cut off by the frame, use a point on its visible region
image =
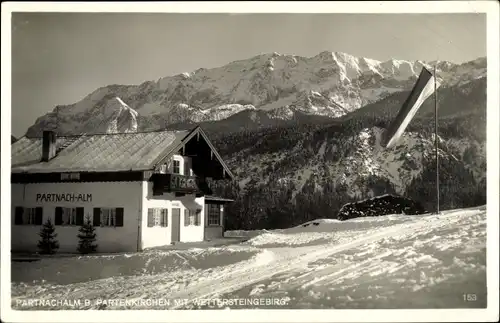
(176, 225)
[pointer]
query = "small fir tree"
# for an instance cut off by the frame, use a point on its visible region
(87, 237)
(48, 243)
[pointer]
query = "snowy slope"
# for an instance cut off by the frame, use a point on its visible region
(123, 119)
(393, 261)
(328, 84)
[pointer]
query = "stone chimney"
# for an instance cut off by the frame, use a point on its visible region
(48, 145)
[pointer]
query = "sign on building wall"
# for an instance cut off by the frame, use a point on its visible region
(63, 197)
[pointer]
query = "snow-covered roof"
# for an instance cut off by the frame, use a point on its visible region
(101, 153)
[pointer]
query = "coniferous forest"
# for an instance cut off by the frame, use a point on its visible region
(273, 190)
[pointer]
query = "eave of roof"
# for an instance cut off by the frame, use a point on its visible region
(217, 199)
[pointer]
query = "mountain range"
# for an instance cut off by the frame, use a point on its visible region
(303, 134)
(269, 89)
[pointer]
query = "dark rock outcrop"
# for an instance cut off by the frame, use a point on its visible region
(380, 205)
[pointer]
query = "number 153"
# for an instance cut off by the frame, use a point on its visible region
(469, 297)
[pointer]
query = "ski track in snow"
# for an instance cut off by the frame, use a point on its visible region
(308, 274)
(300, 257)
(432, 267)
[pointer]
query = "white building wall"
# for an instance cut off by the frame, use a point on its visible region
(160, 236)
(192, 233)
(154, 236)
(104, 194)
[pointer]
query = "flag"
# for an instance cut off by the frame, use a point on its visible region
(420, 92)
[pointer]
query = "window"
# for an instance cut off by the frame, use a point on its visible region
(188, 166)
(108, 217)
(28, 215)
(192, 217)
(157, 217)
(70, 176)
(69, 216)
(177, 167)
(213, 211)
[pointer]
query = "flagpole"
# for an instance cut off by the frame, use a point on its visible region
(436, 139)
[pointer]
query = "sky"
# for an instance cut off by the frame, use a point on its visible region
(59, 58)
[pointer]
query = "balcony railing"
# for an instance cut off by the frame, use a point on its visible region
(181, 183)
(166, 183)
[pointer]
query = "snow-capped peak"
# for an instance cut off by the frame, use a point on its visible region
(330, 84)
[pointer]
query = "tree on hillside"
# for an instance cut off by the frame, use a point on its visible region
(457, 185)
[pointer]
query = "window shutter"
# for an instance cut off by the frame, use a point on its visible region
(186, 168)
(164, 217)
(119, 217)
(151, 217)
(197, 219)
(58, 216)
(79, 216)
(97, 216)
(18, 219)
(186, 217)
(38, 215)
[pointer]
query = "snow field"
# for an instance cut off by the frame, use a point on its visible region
(391, 261)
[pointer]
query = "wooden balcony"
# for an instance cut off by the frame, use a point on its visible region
(176, 183)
